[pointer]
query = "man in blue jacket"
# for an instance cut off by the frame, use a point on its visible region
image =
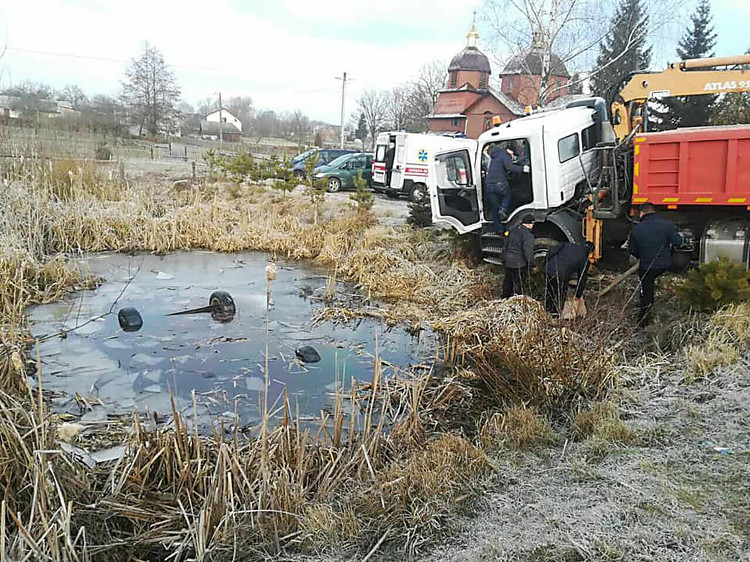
(651, 242)
(498, 190)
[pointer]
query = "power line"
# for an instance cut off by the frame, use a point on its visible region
(104, 59)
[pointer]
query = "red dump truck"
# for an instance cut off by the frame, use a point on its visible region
(702, 176)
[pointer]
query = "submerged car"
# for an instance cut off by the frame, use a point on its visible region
(325, 156)
(341, 172)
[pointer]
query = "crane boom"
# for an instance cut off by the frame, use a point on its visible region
(685, 78)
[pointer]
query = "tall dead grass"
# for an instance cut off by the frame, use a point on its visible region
(726, 339)
(178, 494)
(514, 347)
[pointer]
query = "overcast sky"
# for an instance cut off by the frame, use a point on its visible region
(285, 54)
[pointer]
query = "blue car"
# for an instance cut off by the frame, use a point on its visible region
(325, 156)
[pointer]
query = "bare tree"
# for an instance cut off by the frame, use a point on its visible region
(75, 95)
(150, 92)
(561, 34)
(373, 104)
(299, 127)
(242, 108)
(208, 105)
(31, 99)
(423, 93)
(398, 107)
(264, 125)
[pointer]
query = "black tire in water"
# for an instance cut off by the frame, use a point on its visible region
(130, 319)
(222, 306)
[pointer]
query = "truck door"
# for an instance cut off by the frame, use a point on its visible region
(399, 162)
(453, 195)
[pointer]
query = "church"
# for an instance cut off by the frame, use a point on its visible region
(468, 103)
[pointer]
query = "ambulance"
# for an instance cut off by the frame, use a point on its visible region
(403, 163)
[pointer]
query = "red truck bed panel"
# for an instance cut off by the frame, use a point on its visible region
(700, 166)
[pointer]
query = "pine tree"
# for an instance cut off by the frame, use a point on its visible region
(361, 132)
(698, 42)
(623, 50)
(732, 108)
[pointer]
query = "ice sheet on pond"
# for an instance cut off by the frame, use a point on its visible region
(220, 364)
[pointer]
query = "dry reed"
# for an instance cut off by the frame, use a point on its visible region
(522, 357)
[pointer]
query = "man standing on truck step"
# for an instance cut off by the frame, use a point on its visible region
(518, 257)
(498, 190)
(563, 262)
(651, 241)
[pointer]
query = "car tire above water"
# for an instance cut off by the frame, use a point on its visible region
(334, 185)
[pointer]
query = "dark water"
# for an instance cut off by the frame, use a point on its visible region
(221, 363)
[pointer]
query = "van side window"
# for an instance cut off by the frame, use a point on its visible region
(380, 153)
(588, 138)
(567, 147)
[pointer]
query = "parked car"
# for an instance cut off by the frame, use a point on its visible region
(341, 172)
(325, 156)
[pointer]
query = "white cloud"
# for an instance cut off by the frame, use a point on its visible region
(214, 46)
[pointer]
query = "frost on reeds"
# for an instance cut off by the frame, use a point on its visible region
(726, 338)
(523, 357)
(346, 483)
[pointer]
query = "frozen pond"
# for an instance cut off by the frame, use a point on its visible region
(221, 364)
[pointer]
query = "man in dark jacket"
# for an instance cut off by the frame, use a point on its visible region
(651, 242)
(498, 190)
(563, 262)
(518, 257)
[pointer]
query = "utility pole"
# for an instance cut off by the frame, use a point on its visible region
(343, 99)
(221, 134)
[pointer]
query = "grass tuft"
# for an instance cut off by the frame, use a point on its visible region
(518, 428)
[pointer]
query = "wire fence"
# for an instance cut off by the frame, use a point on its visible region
(33, 142)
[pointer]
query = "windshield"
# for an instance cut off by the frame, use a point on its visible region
(340, 160)
(304, 155)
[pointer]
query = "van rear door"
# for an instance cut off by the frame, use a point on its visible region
(453, 194)
(378, 162)
(399, 163)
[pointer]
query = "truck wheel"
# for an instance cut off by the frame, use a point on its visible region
(299, 174)
(418, 192)
(542, 246)
(334, 185)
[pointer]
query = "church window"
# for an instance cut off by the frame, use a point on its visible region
(482, 81)
(454, 79)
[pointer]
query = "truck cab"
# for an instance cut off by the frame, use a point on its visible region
(559, 148)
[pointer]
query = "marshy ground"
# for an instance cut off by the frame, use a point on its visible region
(536, 441)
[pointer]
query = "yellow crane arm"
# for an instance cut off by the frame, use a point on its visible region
(685, 78)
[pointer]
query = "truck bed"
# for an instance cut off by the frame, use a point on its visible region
(695, 166)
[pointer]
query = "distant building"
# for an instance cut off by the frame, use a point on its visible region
(468, 103)
(225, 116)
(214, 130)
(12, 107)
(522, 76)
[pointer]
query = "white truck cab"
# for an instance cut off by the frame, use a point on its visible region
(403, 162)
(557, 145)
